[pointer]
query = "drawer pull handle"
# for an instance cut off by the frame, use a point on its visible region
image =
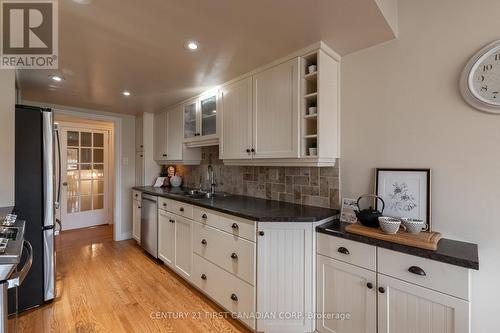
(181, 209)
(204, 241)
(234, 256)
(235, 226)
(343, 250)
(369, 285)
(261, 233)
(204, 216)
(203, 277)
(381, 290)
(417, 270)
(234, 297)
(172, 221)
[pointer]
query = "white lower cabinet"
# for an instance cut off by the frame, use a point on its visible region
(136, 220)
(345, 290)
(405, 307)
(285, 274)
(166, 237)
(419, 296)
(183, 261)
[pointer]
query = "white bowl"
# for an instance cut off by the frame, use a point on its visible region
(414, 226)
(389, 225)
(175, 181)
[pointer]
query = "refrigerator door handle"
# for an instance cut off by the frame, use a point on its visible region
(59, 172)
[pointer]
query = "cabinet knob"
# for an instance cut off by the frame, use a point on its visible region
(381, 290)
(203, 277)
(181, 209)
(138, 206)
(252, 150)
(204, 241)
(204, 216)
(369, 285)
(248, 151)
(235, 226)
(343, 250)
(164, 155)
(234, 256)
(234, 297)
(417, 270)
(261, 233)
(164, 204)
(142, 146)
(172, 221)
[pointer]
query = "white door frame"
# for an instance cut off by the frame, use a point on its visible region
(64, 127)
(119, 226)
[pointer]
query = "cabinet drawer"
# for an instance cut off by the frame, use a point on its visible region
(234, 254)
(177, 207)
(136, 195)
(231, 224)
(359, 254)
(221, 285)
(437, 275)
(162, 203)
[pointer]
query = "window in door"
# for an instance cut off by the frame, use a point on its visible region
(85, 171)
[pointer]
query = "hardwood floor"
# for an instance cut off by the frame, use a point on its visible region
(107, 286)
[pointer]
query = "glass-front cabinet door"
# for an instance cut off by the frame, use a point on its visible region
(190, 120)
(208, 107)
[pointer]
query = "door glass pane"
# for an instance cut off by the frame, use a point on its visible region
(98, 187)
(98, 140)
(85, 187)
(86, 139)
(72, 156)
(72, 205)
(98, 171)
(98, 155)
(208, 116)
(86, 171)
(190, 120)
(86, 155)
(85, 203)
(72, 175)
(72, 188)
(98, 202)
(73, 139)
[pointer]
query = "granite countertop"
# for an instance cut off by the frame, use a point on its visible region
(449, 251)
(250, 208)
(4, 211)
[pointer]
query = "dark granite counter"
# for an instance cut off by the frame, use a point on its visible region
(250, 208)
(449, 251)
(4, 211)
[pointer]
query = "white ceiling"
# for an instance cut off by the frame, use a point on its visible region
(109, 46)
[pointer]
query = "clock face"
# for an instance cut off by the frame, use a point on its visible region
(484, 77)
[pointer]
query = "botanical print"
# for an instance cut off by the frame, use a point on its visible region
(401, 199)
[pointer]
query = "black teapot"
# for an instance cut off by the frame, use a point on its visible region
(369, 217)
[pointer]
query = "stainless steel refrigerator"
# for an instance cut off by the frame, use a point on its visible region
(35, 196)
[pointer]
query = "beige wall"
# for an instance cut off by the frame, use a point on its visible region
(401, 107)
(7, 117)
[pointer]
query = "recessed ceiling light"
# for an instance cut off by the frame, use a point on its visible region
(126, 93)
(57, 78)
(192, 45)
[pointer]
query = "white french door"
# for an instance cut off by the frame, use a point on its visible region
(85, 177)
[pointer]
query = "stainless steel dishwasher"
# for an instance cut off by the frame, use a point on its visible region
(149, 224)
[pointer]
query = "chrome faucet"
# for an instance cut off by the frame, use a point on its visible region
(211, 178)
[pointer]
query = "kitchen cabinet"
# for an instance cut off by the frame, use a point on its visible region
(276, 111)
(285, 274)
(139, 168)
(169, 140)
(139, 123)
(409, 293)
(405, 307)
(166, 237)
(146, 169)
(200, 120)
(236, 112)
(183, 253)
(160, 136)
(136, 218)
(346, 289)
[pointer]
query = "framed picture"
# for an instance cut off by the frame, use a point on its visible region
(406, 193)
(349, 206)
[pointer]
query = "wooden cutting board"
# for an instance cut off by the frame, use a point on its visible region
(423, 240)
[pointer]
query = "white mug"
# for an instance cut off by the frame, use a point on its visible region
(312, 68)
(313, 110)
(313, 151)
(414, 226)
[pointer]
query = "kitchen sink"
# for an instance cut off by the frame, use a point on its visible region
(199, 194)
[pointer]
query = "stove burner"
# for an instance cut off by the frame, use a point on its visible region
(8, 232)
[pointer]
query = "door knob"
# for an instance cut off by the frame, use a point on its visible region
(66, 184)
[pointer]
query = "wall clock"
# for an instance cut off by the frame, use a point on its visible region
(480, 79)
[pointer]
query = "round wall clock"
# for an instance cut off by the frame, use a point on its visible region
(480, 80)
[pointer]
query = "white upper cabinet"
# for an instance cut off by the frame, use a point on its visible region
(139, 140)
(175, 146)
(236, 113)
(276, 111)
(200, 120)
(160, 135)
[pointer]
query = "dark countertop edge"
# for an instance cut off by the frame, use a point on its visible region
(200, 203)
(336, 229)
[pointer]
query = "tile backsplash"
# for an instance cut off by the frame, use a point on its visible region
(315, 186)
